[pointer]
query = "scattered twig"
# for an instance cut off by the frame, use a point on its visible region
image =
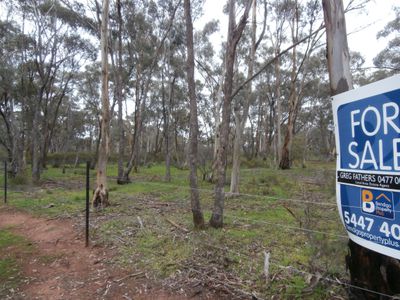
(178, 226)
(120, 240)
(129, 276)
(266, 265)
(140, 222)
(225, 286)
(313, 282)
(293, 214)
(107, 289)
(216, 247)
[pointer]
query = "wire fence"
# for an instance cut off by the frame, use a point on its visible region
(269, 200)
(5, 175)
(336, 281)
(293, 228)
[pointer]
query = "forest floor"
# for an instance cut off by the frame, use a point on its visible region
(53, 263)
(144, 244)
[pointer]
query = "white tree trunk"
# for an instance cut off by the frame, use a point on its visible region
(100, 196)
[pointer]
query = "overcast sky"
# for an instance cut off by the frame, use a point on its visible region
(362, 26)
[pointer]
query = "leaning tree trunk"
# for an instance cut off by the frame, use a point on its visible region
(100, 196)
(234, 35)
(241, 120)
(198, 218)
(217, 124)
(135, 140)
(368, 269)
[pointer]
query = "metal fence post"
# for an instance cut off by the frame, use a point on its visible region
(5, 181)
(87, 202)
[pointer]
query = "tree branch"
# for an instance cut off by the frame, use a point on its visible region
(272, 60)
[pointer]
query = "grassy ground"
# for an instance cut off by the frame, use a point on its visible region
(12, 248)
(290, 214)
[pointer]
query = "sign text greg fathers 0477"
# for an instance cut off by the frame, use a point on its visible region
(367, 128)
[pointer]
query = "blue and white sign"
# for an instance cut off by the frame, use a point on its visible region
(367, 127)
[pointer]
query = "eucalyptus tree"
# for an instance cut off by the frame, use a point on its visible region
(16, 85)
(48, 67)
(69, 134)
(234, 34)
(278, 37)
(389, 58)
(367, 268)
(198, 218)
(153, 23)
(100, 195)
(119, 80)
(241, 108)
(209, 92)
(302, 17)
(88, 87)
(167, 100)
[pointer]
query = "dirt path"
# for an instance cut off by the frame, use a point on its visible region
(60, 266)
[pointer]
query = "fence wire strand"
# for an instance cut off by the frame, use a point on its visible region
(289, 227)
(243, 194)
(327, 279)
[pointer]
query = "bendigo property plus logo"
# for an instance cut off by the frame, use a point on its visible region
(377, 203)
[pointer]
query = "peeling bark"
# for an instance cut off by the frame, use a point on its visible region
(234, 35)
(198, 218)
(101, 191)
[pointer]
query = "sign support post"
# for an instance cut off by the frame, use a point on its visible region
(87, 204)
(5, 181)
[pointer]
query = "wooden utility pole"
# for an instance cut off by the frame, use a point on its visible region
(369, 270)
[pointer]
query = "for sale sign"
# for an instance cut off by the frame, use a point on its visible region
(367, 127)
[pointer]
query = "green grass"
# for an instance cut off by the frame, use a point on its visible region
(262, 219)
(12, 248)
(49, 202)
(8, 271)
(7, 240)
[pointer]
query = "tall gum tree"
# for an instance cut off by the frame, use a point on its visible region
(285, 162)
(198, 219)
(119, 96)
(369, 270)
(234, 34)
(144, 78)
(100, 196)
(56, 54)
(299, 70)
(241, 118)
